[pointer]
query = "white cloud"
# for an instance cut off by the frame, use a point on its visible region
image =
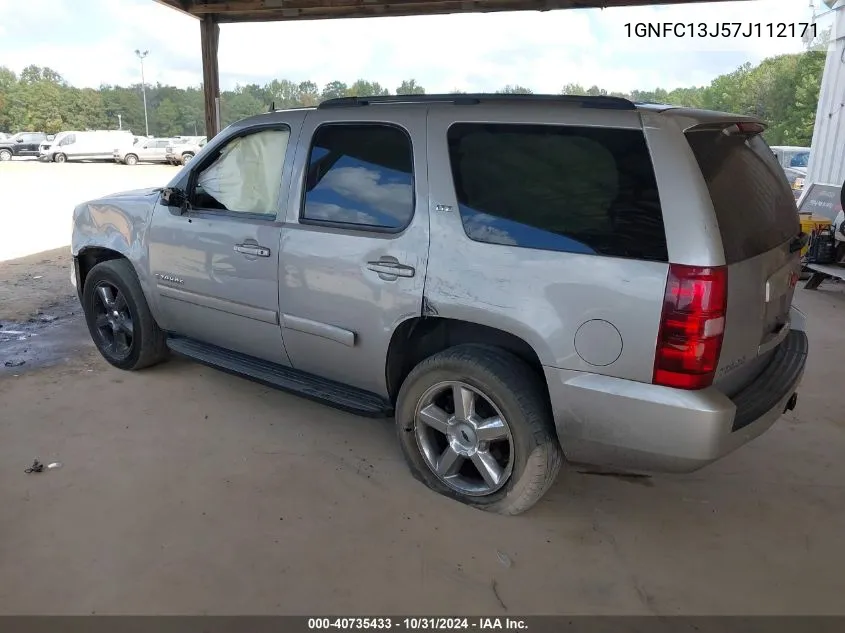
(365, 186)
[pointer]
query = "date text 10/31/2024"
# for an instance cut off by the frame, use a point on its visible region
(807, 31)
(418, 624)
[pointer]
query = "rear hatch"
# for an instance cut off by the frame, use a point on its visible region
(759, 226)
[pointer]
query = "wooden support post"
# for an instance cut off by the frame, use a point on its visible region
(209, 39)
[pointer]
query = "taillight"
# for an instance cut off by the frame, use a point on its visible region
(691, 327)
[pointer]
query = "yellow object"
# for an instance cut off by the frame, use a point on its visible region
(810, 223)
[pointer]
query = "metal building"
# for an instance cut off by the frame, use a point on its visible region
(827, 159)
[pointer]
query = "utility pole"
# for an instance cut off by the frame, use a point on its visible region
(141, 56)
(119, 122)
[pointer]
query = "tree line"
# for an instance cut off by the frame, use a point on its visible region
(782, 90)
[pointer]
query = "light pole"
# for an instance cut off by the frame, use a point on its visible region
(141, 56)
(119, 122)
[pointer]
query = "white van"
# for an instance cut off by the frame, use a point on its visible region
(89, 145)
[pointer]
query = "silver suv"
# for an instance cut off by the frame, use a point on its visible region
(514, 278)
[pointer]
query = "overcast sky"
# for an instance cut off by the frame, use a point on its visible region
(92, 42)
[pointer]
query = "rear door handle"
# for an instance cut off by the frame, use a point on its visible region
(390, 269)
(252, 249)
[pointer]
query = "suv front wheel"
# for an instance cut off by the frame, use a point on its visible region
(119, 318)
(474, 424)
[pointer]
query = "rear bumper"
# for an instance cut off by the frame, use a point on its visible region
(635, 426)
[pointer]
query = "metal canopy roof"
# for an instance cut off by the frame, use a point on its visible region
(282, 10)
(212, 13)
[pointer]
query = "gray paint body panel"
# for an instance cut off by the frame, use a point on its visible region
(542, 297)
(324, 275)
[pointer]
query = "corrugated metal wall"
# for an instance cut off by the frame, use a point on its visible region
(827, 159)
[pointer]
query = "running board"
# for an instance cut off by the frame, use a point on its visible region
(328, 392)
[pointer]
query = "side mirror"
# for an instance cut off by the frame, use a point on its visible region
(174, 198)
(18, 140)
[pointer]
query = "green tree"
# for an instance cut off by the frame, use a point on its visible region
(782, 90)
(285, 93)
(166, 119)
(514, 90)
(573, 89)
(309, 94)
(364, 88)
(334, 90)
(410, 87)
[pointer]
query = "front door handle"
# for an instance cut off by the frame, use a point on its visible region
(252, 249)
(389, 269)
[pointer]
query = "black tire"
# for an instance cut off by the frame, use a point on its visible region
(513, 387)
(60, 158)
(130, 159)
(147, 345)
(186, 158)
(5, 155)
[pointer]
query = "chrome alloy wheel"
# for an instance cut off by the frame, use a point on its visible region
(463, 438)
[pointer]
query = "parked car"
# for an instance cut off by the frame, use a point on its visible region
(514, 278)
(86, 145)
(21, 144)
(795, 177)
(793, 160)
(792, 156)
(146, 150)
(181, 154)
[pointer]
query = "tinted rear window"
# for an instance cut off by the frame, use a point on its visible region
(558, 188)
(755, 207)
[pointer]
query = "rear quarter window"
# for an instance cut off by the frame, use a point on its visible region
(558, 188)
(754, 205)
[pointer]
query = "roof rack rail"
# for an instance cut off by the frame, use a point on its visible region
(611, 103)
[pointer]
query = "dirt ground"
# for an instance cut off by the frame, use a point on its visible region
(186, 490)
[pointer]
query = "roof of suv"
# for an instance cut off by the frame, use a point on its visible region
(602, 102)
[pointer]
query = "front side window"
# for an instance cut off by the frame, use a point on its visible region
(360, 175)
(558, 188)
(246, 175)
(68, 140)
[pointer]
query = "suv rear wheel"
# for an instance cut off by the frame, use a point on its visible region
(186, 158)
(5, 154)
(118, 317)
(131, 159)
(474, 424)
